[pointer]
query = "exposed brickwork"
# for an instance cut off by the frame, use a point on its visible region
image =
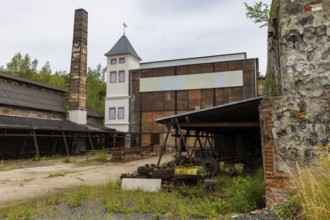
(296, 125)
(275, 180)
(78, 73)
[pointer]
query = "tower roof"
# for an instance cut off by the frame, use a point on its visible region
(123, 46)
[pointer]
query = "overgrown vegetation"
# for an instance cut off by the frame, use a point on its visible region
(311, 192)
(68, 160)
(238, 194)
(12, 166)
(55, 174)
(102, 157)
(271, 86)
(23, 66)
(261, 12)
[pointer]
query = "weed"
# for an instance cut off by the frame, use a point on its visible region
(55, 175)
(35, 158)
(27, 213)
(68, 160)
(102, 157)
(246, 192)
(290, 209)
(313, 190)
(75, 198)
(13, 166)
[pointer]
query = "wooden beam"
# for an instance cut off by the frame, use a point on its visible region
(90, 141)
(36, 143)
(54, 145)
(24, 145)
(162, 149)
(220, 124)
(66, 144)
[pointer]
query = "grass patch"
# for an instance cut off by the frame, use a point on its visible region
(4, 167)
(313, 190)
(55, 175)
(68, 160)
(102, 157)
(186, 201)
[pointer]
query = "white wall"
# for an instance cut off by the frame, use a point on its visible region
(118, 93)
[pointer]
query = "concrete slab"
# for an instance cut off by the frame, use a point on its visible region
(148, 185)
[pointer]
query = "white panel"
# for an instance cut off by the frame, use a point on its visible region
(148, 185)
(192, 81)
(219, 80)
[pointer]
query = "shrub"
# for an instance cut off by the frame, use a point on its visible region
(313, 190)
(102, 157)
(246, 193)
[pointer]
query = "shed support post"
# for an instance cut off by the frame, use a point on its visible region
(162, 149)
(54, 146)
(24, 145)
(90, 141)
(66, 144)
(36, 144)
(200, 143)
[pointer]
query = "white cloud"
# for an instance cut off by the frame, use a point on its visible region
(157, 29)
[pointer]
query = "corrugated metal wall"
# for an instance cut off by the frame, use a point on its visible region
(146, 107)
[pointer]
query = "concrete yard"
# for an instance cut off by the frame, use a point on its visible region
(33, 179)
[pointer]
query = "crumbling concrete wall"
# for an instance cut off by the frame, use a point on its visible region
(299, 55)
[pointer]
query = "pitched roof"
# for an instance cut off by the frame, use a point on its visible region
(123, 46)
(31, 98)
(10, 78)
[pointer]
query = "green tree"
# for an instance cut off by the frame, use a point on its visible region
(261, 12)
(96, 89)
(22, 66)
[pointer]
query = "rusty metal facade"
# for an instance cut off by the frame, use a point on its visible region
(146, 107)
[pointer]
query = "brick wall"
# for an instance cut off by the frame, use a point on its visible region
(276, 180)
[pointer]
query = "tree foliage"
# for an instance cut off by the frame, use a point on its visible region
(25, 67)
(258, 13)
(96, 88)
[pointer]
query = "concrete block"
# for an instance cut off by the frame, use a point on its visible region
(148, 185)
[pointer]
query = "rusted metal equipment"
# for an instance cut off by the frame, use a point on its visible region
(121, 153)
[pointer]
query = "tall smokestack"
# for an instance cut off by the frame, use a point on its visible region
(78, 73)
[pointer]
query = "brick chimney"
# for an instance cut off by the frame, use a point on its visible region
(78, 73)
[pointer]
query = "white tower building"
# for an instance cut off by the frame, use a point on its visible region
(120, 60)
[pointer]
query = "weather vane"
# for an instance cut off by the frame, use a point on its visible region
(125, 26)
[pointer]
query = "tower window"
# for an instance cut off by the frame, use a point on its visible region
(113, 76)
(122, 60)
(112, 113)
(121, 76)
(121, 112)
(113, 61)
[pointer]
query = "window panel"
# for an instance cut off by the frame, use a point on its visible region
(113, 76)
(112, 113)
(121, 113)
(122, 60)
(113, 61)
(121, 76)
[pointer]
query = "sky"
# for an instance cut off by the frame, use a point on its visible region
(157, 29)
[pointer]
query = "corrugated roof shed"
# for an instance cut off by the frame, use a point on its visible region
(15, 122)
(38, 97)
